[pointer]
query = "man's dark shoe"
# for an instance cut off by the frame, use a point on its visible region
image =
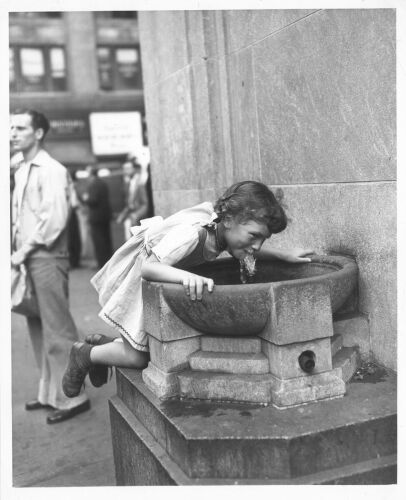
(98, 374)
(60, 415)
(77, 369)
(35, 405)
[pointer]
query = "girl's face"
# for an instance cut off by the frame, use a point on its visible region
(244, 238)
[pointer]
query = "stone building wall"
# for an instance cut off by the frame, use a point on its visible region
(302, 100)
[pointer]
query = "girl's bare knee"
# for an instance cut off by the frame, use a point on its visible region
(139, 359)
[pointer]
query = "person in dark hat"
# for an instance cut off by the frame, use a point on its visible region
(97, 199)
(136, 198)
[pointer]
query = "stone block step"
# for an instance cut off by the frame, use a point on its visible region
(251, 388)
(240, 443)
(381, 470)
(231, 344)
(149, 464)
(155, 466)
(347, 360)
(229, 362)
(336, 344)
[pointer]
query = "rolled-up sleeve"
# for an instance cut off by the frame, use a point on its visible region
(179, 242)
(53, 207)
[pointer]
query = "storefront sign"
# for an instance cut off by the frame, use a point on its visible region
(115, 133)
(69, 127)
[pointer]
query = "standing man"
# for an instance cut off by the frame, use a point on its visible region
(41, 205)
(97, 199)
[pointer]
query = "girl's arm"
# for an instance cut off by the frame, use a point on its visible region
(193, 284)
(296, 255)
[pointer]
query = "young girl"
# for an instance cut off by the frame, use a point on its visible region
(242, 219)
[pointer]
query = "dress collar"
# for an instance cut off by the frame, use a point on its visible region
(212, 221)
(212, 227)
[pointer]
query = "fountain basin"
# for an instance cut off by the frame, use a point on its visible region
(239, 310)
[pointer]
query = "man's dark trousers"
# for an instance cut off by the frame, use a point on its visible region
(101, 238)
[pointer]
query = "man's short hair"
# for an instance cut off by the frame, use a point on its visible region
(38, 120)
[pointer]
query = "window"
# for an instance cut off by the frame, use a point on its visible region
(37, 69)
(105, 68)
(57, 68)
(117, 14)
(11, 69)
(119, 68)
(32, 67)
(33, 15)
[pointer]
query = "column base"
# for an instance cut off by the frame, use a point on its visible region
(162, 384)
(302, 390)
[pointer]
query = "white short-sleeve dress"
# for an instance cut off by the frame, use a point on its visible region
(171, 240)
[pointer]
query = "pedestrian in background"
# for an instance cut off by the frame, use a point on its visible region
(136, 198)
(74, 240)
(148, 187)
(97, 199)
(40, 212)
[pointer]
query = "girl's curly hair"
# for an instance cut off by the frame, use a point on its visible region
(251, 200)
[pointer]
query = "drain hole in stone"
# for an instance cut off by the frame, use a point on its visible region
(307, 361)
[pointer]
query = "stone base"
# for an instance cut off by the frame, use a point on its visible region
(225, 387)
(346, 361)
(163, 384)
(247, 380)
(302, 390)
(341, 441)
(336, 344)
(229, 362)
(219, 343)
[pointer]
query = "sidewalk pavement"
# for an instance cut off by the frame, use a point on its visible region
(77, 452)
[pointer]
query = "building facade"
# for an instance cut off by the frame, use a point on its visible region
(302, 100)
(83, 70)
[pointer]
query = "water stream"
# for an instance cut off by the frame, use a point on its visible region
(247, 269)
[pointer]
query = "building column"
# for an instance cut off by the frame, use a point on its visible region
(81, 43)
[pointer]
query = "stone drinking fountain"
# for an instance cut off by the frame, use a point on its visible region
(263, 342)
(227, 395)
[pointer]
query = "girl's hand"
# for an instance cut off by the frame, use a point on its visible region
(193, 285)
(298, 255)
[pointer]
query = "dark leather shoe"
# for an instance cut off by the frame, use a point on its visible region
(98, 374)
(61, 415)
(35, 405)
(77, 369)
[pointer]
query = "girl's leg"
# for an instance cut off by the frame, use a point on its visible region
(119, 353)
(98, 374)
(83, 356)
